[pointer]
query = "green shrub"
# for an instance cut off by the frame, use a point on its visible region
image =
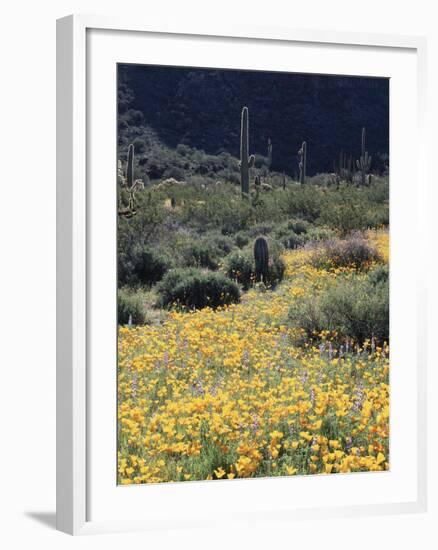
(292, 240)
(357, 308)
(379, 274)
(222, 243)
(319, 233)
(298, 226)
(262, 229)
(207, 251)
(142, 266)
(241, 239)
(130, 307)
(240, 268)
(296, 233)
(344, 217)
(195, 289)
(352, 252)
(277, 267)
(302, 201)
(378, 216)
(200, 254)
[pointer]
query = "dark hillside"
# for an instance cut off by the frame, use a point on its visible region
(201, 108)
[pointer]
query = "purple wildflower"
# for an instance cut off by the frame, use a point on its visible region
(359, 398)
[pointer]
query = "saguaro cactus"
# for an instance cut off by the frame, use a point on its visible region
(246, 161)
(269, 153)
(130, 166)
(127, 203)
(261, 258)
(257, 185)
(302, 162)
(364, 162)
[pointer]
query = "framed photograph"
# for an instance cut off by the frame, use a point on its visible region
(241, 297)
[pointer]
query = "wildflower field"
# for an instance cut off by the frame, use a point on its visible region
(238, 391)
(252, 274)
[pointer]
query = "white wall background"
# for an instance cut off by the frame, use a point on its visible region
(27, 272)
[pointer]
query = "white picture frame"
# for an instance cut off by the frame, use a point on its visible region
(75, 217)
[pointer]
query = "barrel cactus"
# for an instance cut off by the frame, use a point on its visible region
(261, 259)
(246, 161)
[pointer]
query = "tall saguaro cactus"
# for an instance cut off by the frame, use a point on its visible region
(130, 167)
(127, 204)
(269, 153)
(302, 162)
(364, 162)
(261, 258)
(246, 161)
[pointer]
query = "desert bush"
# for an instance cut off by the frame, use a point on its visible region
(292, 240)
(379, 274)
(140, 265)
(174, 172)
(200, 254)
(207, 251)
(262, 229)
(183, 150)
(344, 217)
(240, 268)
(298, 226)
(288, 236)
(319, 233)
(357, 308)
(301, 201)
(222, 244)
(217, 208)
(196, 289)
(277, 267)
(352, 252)
(296, 233)
(241, 239)
(130, 307)
(378, 216)
(322, 180)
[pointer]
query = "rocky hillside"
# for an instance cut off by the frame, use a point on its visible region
(201, 108)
